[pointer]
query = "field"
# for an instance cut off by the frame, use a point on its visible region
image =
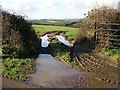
(57, 22)
(59, 50)
(70, 31)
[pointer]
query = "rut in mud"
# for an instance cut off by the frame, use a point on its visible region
(99, 69)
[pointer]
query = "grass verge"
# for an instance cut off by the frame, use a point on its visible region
(15, 68)
(113, 54)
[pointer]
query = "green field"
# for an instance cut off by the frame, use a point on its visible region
(70, 31)
(57, 22)
(59, 50)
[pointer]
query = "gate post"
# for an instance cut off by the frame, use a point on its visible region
(95, 34)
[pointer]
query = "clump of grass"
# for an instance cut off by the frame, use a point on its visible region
(60, 51)
(63, 55)
(114, 54)
(111, 52)
(17, 68)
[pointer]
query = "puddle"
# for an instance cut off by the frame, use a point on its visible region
(45, 42)
(52, 73)
(62, 39)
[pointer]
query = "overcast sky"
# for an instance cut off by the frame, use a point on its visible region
(53, 9)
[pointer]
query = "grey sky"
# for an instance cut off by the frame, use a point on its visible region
(53, 9)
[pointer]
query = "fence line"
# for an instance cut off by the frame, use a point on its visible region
(109, 36)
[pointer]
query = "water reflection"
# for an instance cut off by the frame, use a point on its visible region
(52, 73)
(62, 39)
(45, 42)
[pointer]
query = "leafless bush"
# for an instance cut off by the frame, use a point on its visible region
(100, 17)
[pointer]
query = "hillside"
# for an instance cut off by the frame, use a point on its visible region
(57, 22)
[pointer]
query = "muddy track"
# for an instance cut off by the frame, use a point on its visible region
(11, 83)
(99, 67)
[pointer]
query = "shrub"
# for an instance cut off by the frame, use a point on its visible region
(18, 37)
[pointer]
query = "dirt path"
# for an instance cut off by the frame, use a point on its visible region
(51, 73)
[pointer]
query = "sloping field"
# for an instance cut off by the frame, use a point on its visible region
(70, 32)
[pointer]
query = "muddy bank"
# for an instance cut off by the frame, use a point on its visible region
(99, 70)
(9, 83)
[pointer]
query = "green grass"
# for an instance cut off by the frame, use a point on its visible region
(60, 51)
(114, 54)
(111, 52)
(70, 31)
(17, 68)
